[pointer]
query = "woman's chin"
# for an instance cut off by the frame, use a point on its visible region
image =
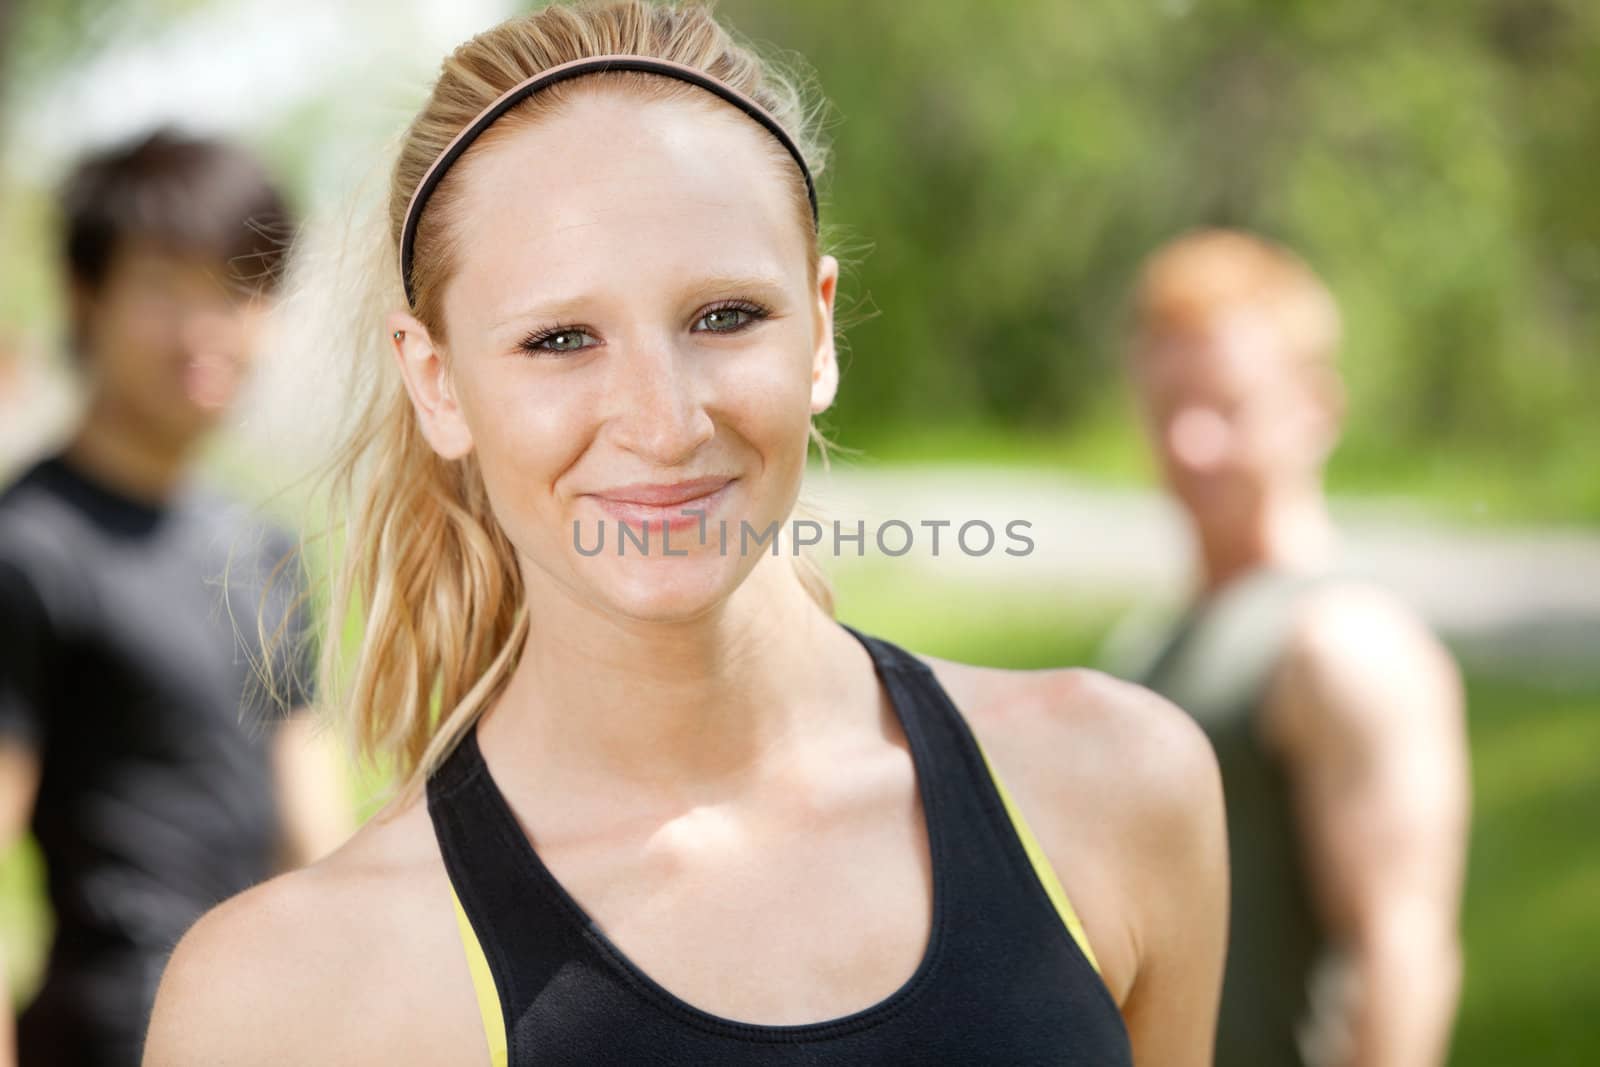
(667, 589)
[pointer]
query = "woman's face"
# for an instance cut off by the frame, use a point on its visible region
(632, 332)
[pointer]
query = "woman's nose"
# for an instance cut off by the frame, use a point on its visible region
(657, 410)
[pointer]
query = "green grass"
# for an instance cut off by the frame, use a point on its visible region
(1532, 915)
(1533, 893)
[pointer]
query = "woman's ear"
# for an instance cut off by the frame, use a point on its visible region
(427, 379)
(825, 360)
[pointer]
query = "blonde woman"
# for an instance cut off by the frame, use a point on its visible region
(662, 807)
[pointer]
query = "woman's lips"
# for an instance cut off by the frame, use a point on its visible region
(678, 507)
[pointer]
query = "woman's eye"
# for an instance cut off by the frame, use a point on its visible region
(559, 341)
(728, 320)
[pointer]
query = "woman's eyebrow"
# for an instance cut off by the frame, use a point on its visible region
(734, 281)
(559, 310)
(572, 307)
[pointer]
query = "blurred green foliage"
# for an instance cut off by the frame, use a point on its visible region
(42, 36)
(1009, 165)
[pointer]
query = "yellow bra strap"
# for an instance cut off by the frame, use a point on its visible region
(494, 1025)
(1041, 867)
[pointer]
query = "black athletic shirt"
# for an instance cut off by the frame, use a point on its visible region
(1002, 980)
(127, 638)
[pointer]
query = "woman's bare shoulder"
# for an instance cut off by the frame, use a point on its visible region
(318, 965)
(1108, 732)
(1119, 784)
(241, 972)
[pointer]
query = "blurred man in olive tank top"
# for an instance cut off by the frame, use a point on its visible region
(1337, 716)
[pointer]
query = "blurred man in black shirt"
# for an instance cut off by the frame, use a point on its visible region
(157, 772)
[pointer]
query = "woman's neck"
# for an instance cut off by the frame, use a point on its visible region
(698, 705)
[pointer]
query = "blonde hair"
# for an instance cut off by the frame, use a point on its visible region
(1189, 282)
(421, 560)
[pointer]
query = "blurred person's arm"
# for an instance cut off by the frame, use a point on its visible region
(24, 647)
(19, 784)
(1368, 713)
(314, 809)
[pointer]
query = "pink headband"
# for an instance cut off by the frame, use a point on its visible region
(562, 72)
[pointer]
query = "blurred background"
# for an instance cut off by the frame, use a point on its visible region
(999, 171)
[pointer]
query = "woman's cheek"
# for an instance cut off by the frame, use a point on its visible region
(768, 394)
(524, 439)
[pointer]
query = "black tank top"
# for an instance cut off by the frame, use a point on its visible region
(1003, 978)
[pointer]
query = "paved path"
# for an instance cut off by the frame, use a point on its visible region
(1529, 597)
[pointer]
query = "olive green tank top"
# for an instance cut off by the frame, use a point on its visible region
(1216, 665)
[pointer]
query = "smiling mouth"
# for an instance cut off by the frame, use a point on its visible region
(656, 495)
(676, 506)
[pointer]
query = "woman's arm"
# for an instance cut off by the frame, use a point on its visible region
(1178, 879)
